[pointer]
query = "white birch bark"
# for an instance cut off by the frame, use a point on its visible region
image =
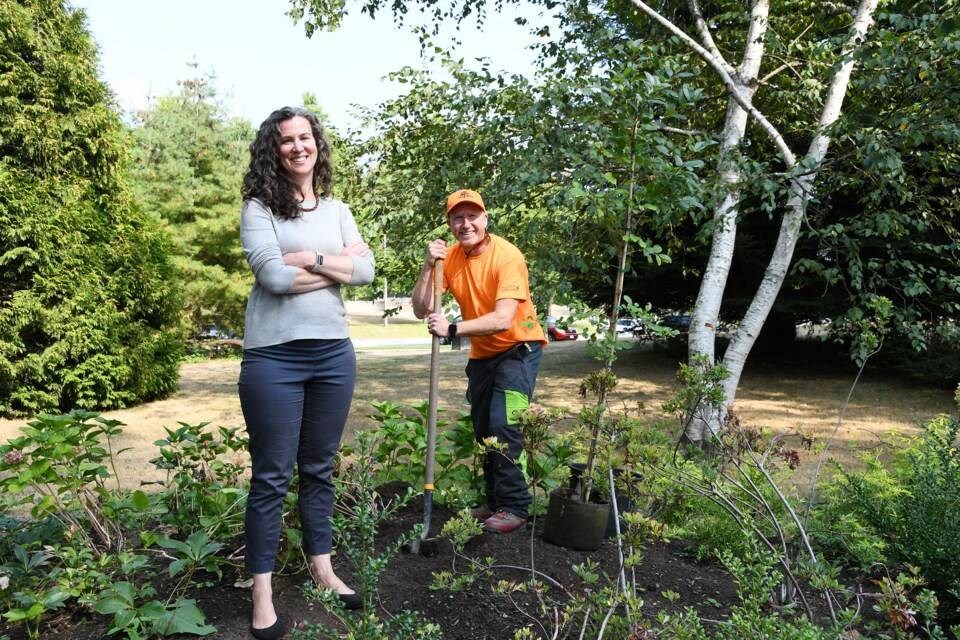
(801, 192)
(702, 339)
(706, 312)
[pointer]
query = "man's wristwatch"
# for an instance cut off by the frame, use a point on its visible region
(318, 263)
(452, 330)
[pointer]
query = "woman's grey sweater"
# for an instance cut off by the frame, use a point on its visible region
(274, 315)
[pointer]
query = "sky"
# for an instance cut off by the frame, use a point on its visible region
(263, 61)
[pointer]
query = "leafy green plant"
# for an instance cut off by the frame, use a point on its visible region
(912, 506)
(59, 467)
(29, 607)
(151, 618)
(30, 589)
(203, 485)
(197, 552)
(401, 452)
(756, 575)
(547, 454)
(459, 530)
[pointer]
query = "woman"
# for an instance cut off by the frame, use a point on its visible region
(299, 367)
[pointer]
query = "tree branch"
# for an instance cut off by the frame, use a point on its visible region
(717, 64)
(705, 35)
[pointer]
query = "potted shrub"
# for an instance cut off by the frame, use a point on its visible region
(576, 517)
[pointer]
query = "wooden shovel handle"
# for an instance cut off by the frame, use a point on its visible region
(438, 285)
(434, 383)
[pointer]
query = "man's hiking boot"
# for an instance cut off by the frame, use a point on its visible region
(481, 513)
(503, 522)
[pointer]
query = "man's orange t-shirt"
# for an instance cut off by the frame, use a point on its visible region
(479, 281)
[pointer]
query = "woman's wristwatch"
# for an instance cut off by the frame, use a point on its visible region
(317, 263)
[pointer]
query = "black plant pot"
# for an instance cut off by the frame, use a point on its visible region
(624, 502)
(574, 524)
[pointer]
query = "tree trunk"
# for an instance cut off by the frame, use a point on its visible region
(801, 192)
(702, 338)
(706, 312)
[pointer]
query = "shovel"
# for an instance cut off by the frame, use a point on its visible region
(426, 545)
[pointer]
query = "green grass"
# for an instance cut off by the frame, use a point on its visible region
(393, 330)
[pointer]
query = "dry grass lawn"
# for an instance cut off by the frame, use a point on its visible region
(788, 396)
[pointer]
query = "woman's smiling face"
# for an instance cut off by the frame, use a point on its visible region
(298, 147)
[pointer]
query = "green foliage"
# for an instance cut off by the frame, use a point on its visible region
(699, 391)
(460, 530)
(401, 452)
(888, 226)
(204, 478)
(188, 163)
(547, 455)
(194, 553)
(88, 296)
(59, 467)
(912, 507)
(750, 618)
(151, 618)
(31, 605)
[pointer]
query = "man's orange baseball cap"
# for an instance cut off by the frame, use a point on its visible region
(464, 195)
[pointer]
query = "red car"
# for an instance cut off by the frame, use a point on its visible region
(561, 333)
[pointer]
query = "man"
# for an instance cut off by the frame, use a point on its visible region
(488, 277)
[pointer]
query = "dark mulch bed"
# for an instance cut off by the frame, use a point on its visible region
(469, 615)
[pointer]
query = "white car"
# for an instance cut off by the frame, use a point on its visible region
(626, 325)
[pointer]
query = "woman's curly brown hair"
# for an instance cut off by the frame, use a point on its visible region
(267, 180)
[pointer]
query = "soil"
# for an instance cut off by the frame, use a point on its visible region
(474, 614)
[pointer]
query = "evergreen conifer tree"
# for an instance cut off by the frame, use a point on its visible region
(88, 296)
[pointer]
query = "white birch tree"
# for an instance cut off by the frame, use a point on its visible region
(741, 84)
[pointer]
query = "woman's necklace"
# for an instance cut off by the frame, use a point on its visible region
(316, 203)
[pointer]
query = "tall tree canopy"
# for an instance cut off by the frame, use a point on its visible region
(88, 296)
(188, 162)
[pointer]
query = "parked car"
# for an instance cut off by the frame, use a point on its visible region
(626, 325)
(677, 321)
(561, 333)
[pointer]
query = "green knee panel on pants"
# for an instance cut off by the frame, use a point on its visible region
(516, 401)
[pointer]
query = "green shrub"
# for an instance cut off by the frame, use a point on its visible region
(402, 450)
(751, 617)
(204, 487)
(88, 295)
(913, 507)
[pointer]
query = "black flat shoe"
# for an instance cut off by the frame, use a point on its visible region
(274, 632)
(350, 601)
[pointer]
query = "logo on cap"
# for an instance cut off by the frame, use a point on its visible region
(464, 195)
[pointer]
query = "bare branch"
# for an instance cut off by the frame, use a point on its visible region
(705, 35)
(684, 132)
